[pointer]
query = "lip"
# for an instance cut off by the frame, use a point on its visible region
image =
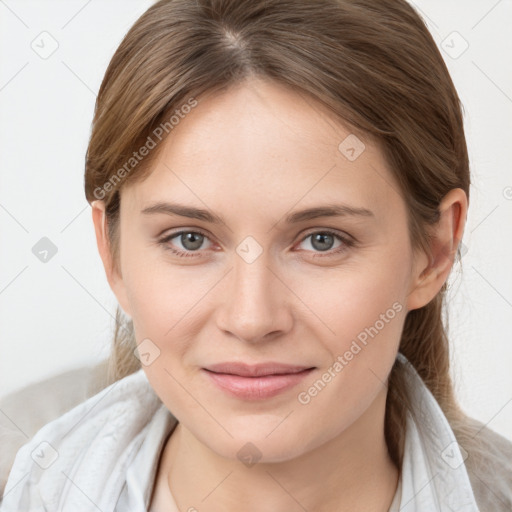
(255, 370)
(256, 382)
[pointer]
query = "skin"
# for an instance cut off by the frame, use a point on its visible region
(254, 155)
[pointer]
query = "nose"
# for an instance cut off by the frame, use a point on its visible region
(255, 307)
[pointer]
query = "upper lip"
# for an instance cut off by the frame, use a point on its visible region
(256, 370)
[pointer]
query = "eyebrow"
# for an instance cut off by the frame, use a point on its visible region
(329, 210)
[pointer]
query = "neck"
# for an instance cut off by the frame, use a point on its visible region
(351, 472)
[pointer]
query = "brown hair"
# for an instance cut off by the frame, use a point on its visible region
(374, 65)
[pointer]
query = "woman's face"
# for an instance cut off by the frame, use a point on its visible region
(267, 283)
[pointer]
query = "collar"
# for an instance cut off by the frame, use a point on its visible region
(433, 477)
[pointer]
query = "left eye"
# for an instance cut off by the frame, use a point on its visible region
(323, 241)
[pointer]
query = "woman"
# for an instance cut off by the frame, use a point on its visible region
(278, 190)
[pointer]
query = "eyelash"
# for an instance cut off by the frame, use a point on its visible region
(346, 243)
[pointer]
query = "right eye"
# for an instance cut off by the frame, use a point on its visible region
(190, 241)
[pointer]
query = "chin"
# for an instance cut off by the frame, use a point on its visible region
(252, 444)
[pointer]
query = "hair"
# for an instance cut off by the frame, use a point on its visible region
(374, 65)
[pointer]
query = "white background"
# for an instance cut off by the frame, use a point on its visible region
(57, 315)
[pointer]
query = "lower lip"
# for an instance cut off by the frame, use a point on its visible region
(256, 388)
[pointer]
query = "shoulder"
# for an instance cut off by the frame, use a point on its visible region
(487, 455)
(87, 445)
(490, 468)
(27, 410)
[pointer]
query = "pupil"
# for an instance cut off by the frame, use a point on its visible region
(321, 237)
(195, 239)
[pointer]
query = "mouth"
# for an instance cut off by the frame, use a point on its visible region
(256, 382)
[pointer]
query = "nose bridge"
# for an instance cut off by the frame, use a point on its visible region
(254, 305)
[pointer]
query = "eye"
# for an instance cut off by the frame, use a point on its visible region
(323, 241)
(191, 242)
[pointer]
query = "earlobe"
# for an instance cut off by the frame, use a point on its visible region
(431, 271)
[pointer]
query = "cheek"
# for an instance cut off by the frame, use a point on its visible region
(364, 308)
(163, 302)
(157, 290)
(169, 306)
(366, 311)
(351, 298)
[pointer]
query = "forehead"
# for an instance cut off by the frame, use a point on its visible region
(260, 146)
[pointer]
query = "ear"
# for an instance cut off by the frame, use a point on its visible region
(113, 273)
(431, 270)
